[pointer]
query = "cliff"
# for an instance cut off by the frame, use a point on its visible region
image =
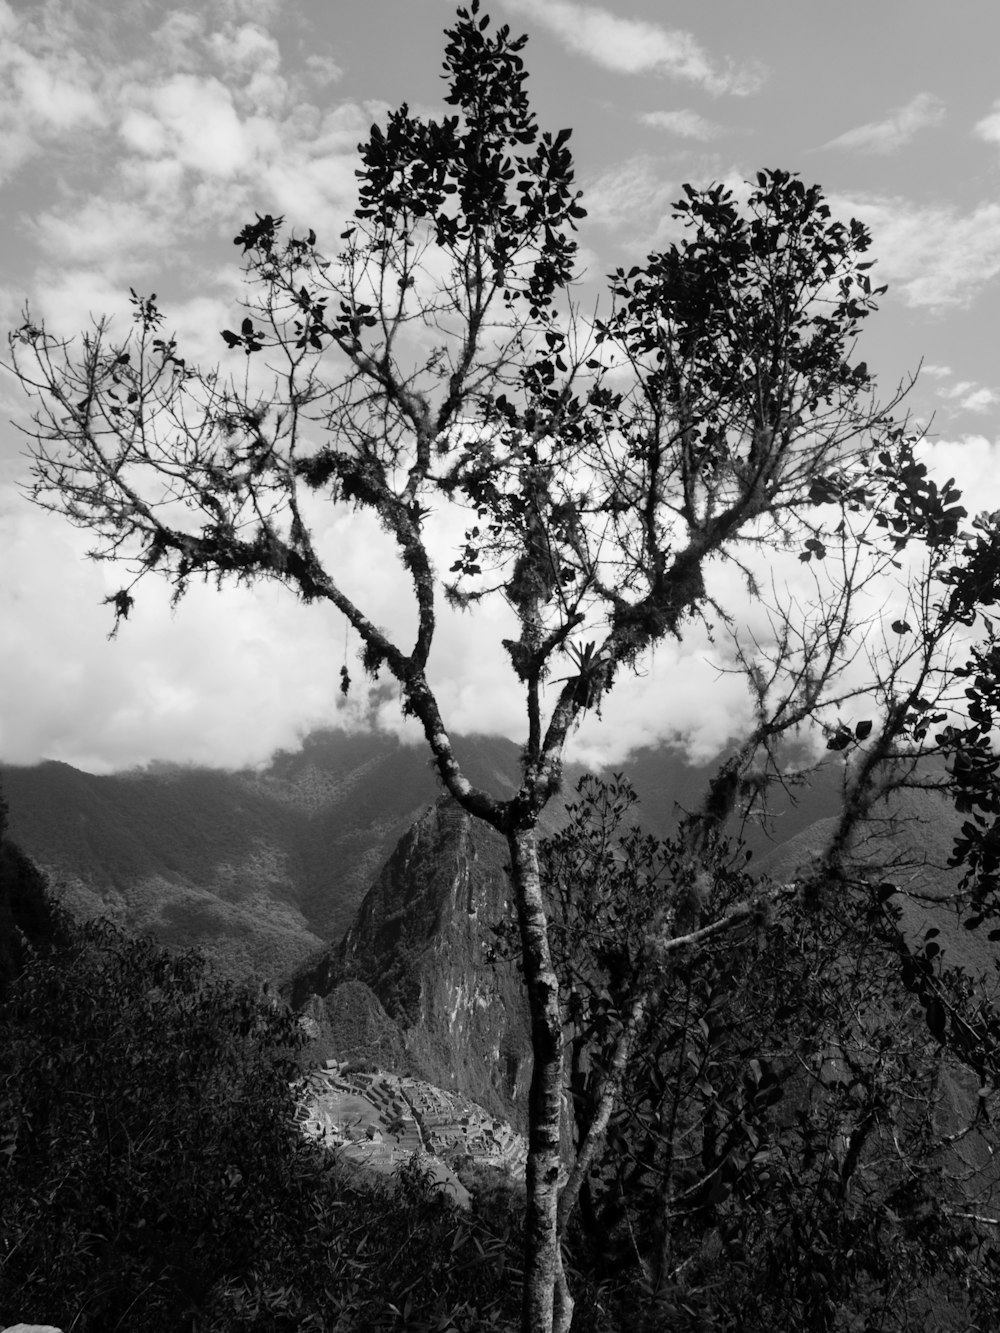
(414, 977)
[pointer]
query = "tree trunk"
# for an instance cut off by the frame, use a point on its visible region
(547, 1307)
(607, 1099)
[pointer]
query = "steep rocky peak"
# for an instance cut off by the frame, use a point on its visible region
(420, 944)
(445, 867)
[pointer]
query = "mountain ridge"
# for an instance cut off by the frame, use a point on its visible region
(265, 868)
(262, 868)
(419, 947)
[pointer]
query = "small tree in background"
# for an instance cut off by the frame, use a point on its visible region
(602, 473)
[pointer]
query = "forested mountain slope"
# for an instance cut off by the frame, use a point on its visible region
(265, 869)
(261, 868)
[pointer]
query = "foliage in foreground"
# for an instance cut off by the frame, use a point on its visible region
(153, 1180)
(803, 1136)
(795, 1145)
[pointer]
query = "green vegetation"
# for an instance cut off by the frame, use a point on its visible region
(801, 1143)
(801, 1137)
(152, 1178)
(27, 916)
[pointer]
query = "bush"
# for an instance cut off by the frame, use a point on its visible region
(147, 1123)
(153, 1178)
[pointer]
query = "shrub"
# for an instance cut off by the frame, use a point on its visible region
(153, 1178)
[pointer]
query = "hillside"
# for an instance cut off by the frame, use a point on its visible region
(411, 985)
(266, 868)
(261, 868)
(909, 845)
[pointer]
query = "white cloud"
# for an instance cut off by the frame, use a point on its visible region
(55, 96)
(324, 69)
(251, 55)
(979, 400)
(632, 192)
(197, 123)
(974, 463)
(635, 198)
(898, 128)
(989, 127)
(245, 49)
(45, 95)
(633, 46)
(109, 232)
(179, 41)
(681, 694)
(202, 129)
(67, 298)
(932, 255)
(233, 675)
(970, 396)
(685, 124)
(252, 11)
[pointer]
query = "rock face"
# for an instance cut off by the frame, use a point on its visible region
(414, 976)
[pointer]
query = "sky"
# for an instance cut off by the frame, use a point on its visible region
(137, 138)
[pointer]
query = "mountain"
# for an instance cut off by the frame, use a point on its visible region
(266, 868)
(412, 985)
(909, 844)
(261, 868)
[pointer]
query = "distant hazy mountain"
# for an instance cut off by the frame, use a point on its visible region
(266, 868)
(261, 868)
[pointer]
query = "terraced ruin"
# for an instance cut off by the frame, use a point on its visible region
(380, 1120)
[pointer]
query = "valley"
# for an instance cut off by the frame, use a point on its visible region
(376, 906)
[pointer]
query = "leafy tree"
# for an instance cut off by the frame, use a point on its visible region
(802, 1135)
(604, 473)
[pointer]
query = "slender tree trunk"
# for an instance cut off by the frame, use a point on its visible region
(607, 1099)
(548, 1307)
